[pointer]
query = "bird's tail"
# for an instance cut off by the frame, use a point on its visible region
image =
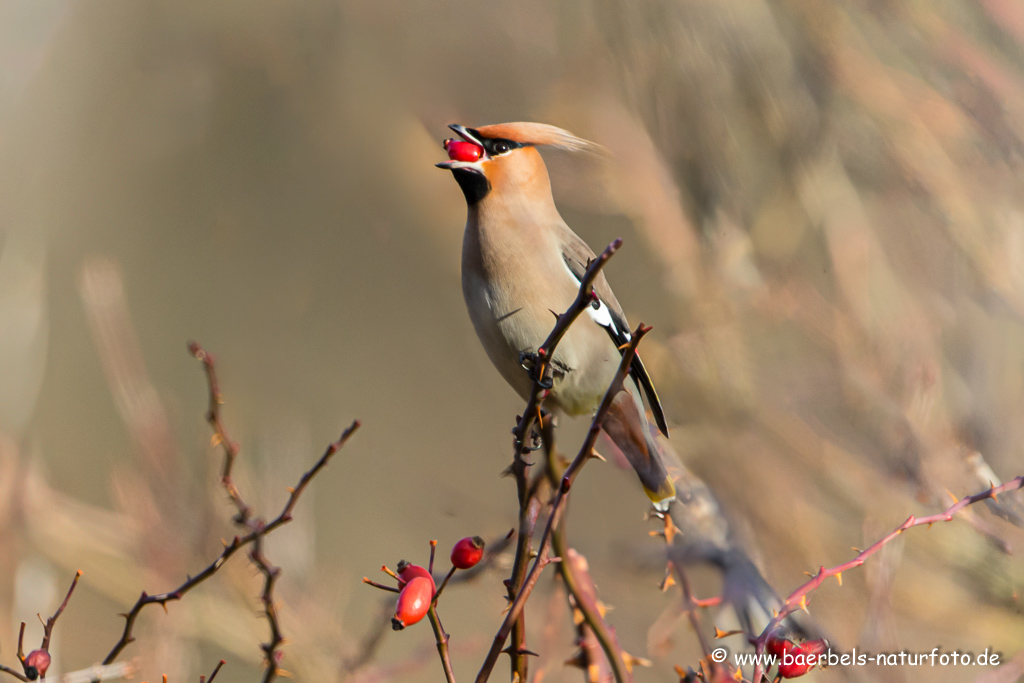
(626, 425)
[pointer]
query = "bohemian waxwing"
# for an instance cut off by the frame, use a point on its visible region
(520, 262)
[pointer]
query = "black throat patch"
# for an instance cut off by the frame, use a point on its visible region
(474, 184)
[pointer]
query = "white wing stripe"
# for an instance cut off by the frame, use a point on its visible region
(600, 315)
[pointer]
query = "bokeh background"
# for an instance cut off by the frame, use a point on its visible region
(823, 218)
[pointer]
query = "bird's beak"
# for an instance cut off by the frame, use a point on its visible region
(469, 135)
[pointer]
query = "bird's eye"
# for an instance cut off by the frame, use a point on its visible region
(500, 147)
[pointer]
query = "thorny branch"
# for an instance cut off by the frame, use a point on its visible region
(255, 529)
(529, 506)
(270, 574)
(568, 570)
(798, 599)
(558, 505)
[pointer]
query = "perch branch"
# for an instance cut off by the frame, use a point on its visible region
(558, 505)
(541, 373)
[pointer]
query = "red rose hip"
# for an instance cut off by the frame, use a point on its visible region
(796, 660)
(413, 602)
(37, 662)
(408, 571)
(459, 150)
(776, 645)
(467, 552)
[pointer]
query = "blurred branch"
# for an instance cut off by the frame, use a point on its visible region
(97, 673)
(558, 505)
(798, 599)
(372, 640)
(256, 529)
(580, 584)
(16, 674)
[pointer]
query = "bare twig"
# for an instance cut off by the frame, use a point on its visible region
(442, 642)
(216, 670)
(370, 582)
(270, 574)
(163, 598)
(12, 672)
(220, 436)
(52, 621)
(447, 578)
(30, 673)
(21, 644)
(255, 529)
(229, 549)
(558, 505)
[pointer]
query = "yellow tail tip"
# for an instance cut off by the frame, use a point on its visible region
(664, 496)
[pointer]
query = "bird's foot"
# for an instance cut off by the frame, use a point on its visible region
(528, 360)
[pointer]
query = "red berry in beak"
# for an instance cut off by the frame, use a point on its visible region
(413, 602)
(407, 572)
(460, 150)
(36, 664)
(467, 552)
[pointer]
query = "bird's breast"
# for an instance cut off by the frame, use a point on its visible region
(515, 282)
(512, 322)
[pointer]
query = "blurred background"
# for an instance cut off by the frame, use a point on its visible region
(823, 218)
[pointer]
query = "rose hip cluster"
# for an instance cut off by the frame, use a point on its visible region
(416, 590)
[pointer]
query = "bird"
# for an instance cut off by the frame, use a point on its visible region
(520, 263)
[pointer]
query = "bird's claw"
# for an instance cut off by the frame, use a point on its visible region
(528, 361)
(536, 442)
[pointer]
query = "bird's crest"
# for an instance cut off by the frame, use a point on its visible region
(538, 134)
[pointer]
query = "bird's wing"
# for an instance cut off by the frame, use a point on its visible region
(577, 257)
